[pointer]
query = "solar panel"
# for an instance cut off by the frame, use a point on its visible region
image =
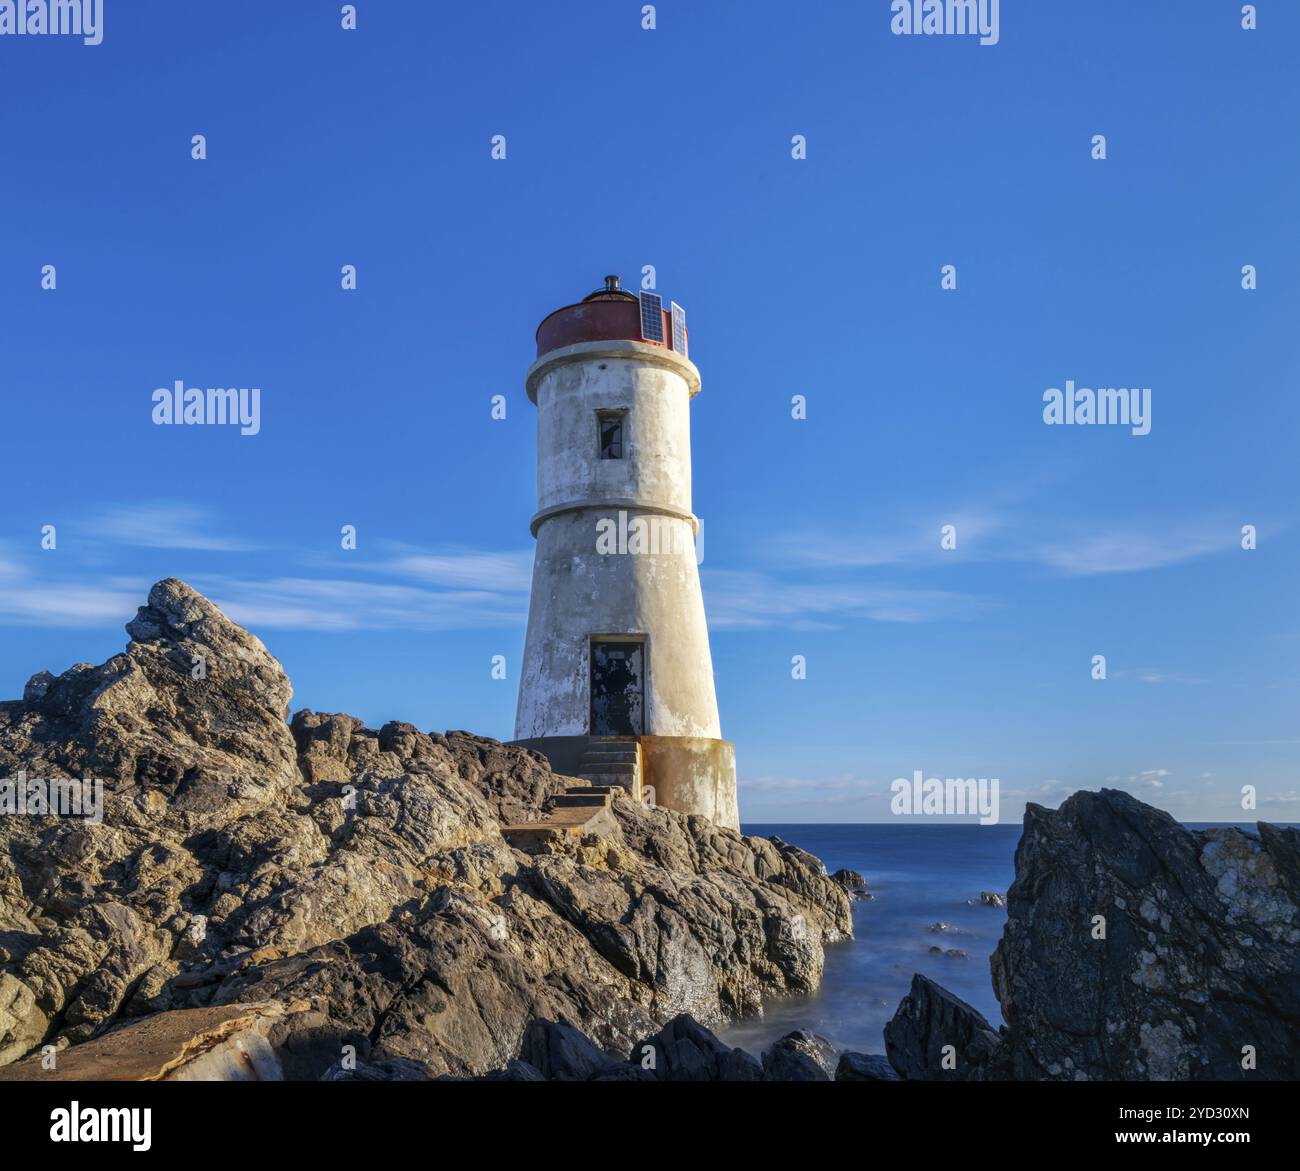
(679, 329)
(652, 317)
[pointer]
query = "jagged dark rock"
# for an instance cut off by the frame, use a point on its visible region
(934, 1036)
(561, 1053)
(359, 873)
(684, 1051)
(800, 1056)
(1199, 958)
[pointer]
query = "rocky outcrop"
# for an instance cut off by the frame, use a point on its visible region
(358, 873)
(935, 1036)
(851, 881)
(1135, 949)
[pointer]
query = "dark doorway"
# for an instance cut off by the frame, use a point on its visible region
(617, 688)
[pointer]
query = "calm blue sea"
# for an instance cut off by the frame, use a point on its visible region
(920, 875)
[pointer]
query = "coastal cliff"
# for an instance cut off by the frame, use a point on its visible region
(355, 880)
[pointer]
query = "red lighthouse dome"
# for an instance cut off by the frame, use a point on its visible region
(613, 314)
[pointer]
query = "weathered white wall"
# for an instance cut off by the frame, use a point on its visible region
(578, 592)
(656, 464)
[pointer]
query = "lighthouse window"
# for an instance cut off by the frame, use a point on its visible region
(611, 434)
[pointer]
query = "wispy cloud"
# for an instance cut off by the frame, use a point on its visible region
(337, 604)
(1065, 546)
(1150, 778)
(415, 590)
(466, 568)
(165, 527)
(1133, 550)
(911, 543)
(33, 601)
(742, 600)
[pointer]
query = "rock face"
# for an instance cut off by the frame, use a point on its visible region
(1135, 949)
(1200, 957)
(359, 871)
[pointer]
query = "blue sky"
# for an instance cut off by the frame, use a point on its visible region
(817, 277)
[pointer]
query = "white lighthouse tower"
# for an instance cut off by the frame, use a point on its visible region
(617, 680)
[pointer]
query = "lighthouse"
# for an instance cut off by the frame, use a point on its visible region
(617, 679)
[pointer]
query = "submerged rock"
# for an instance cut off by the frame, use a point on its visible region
(363, 872)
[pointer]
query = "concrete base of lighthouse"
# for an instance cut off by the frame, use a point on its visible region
(693, 773)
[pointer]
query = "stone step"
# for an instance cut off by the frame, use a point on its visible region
(624, 783)
(581, 799)
(608, 767)
(573, 820)
(592, 758)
